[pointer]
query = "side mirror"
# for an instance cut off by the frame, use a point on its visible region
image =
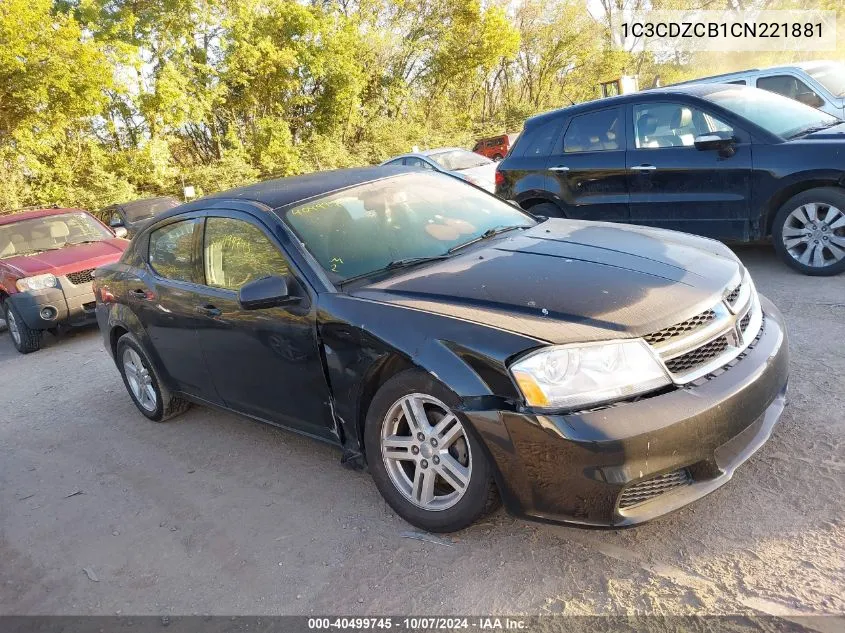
(116, 221)
(720, 142)
(120, 231)
(267, 292)
(810, 98)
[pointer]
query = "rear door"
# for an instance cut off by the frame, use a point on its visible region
(264, 363)
(163, 296)
(586, 171)
(676, 186)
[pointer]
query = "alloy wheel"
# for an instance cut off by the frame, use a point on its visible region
(139, 379)
(426, 452)
(12, 324)
(814, 234)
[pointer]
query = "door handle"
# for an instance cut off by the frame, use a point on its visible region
(559, 168)
(643, 168)
(140, 293)
(209, 310)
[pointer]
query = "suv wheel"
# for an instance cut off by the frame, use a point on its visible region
(25, 339)
(809, 231)
(423, 456)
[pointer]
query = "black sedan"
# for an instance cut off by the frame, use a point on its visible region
(730, 162)
(464, 351)
(132, 216)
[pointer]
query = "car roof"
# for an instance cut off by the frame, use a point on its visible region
(440, 150)
(693, 90)
(282, 192)
(35, 213)
(803, 65)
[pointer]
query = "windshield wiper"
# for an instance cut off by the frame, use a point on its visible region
(66, 244)
(487, 235)
(813, 128)
(410, 261)
(32, 252)
(397, 263)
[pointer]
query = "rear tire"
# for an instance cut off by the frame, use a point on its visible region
(808, 232)
(153, 399)
(25, 339)
(439, 487)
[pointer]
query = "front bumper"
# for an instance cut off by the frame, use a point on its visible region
(574, 468)
(69, 304)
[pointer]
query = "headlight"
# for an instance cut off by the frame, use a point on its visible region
(38, 282)
(571, 376)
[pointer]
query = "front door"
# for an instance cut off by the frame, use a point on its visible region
(676, 186)
(265, 363)
(586, 171)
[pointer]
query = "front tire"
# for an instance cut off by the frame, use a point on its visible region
(808, 232)
(146, 389)
(424, 457)
(25, 339)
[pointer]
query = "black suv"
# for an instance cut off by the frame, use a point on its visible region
(730, 162)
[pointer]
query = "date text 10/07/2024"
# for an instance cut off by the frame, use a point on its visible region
(417, 623)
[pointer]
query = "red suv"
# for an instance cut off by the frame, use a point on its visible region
(47, 262)
(495, 147)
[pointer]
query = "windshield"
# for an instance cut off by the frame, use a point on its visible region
(143, 209)
(423, 214)
(49, 233)
(831, 75)
(779, 115)
(457, 159)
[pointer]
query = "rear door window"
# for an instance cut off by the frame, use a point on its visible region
(594, 132)
(171, 253)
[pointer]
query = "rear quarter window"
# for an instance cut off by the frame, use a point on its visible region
(538, 141)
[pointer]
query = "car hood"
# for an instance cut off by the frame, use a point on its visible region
(67, 260)
(567, 280)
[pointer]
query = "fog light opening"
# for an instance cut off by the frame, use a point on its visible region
(48, 313)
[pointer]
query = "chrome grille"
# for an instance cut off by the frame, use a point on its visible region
(681, 328)
(643, 491)
(713, 338)
(698, 356)
(81, 276)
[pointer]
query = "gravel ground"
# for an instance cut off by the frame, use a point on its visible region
(103, 512)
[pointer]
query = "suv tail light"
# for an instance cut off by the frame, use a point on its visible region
(500, 178)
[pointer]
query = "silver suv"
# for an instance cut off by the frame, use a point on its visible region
(820, 84)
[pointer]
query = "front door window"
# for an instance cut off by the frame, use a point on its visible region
(658, 125)
(237, 252)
